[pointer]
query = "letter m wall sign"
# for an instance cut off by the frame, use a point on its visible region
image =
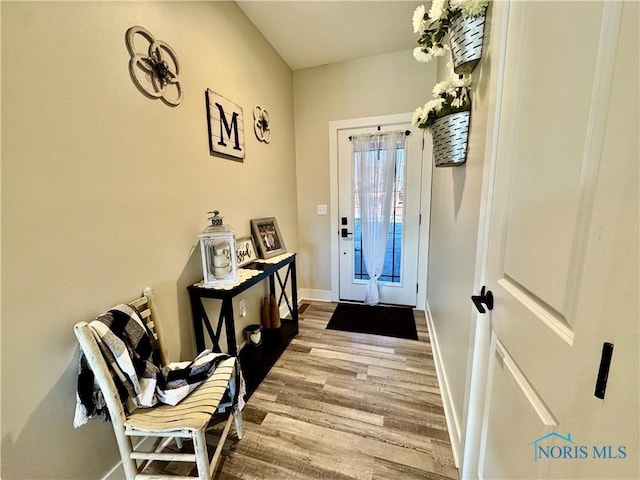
(226, 126)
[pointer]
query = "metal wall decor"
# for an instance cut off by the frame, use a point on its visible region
(450, 138)
(465, 36)
(154, 70)
(261, 124)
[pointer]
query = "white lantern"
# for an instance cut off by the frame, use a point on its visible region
(218, 251)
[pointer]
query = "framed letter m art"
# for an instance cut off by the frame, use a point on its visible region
(226, 126)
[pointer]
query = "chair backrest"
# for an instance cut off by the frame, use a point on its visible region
(149, 313)
(147, 308)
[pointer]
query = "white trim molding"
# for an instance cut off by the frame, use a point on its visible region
(317, 295)
(453, 422)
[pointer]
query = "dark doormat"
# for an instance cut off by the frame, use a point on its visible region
(379, 320)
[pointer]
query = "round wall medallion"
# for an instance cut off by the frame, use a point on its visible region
(155, 70)
(261, 124)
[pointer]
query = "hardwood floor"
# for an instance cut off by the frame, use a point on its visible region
(339, 406)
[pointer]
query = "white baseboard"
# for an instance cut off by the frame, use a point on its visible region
(319, 295)
(453, 422)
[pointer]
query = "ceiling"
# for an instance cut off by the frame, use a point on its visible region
(309, 33)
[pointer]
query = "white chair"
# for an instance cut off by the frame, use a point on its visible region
(187, 419)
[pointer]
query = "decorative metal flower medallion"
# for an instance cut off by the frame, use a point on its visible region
(261, 124)
(155, 71)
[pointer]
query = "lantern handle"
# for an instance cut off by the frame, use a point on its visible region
(215, 219)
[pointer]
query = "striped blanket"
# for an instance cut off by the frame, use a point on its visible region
(133, 355)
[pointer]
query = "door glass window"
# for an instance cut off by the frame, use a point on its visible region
(393, 257)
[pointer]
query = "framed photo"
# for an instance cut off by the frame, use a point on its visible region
(267, 236)
(245, 251)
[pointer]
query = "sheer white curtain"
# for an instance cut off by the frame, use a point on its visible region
(375, 161)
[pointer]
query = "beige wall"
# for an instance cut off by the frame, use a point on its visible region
(453, 241)
(104, 192)
(379, 85)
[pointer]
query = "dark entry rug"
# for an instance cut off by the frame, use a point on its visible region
(379, 320)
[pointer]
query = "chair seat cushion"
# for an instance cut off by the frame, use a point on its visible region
(191, 414)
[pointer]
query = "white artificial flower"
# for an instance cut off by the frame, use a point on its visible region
(438, 7)
(434, 105)
(418, 116)
(418, 19)
(470, 8)
(450, 66)
(440, 88)
(465, 81)
(439, 51)
(421, 56)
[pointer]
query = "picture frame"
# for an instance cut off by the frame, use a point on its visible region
(245, 251)
(268, 237)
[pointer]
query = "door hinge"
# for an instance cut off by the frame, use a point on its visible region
(419, 219)
(417, 287)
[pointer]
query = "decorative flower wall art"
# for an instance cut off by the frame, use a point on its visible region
(261, 124)
(463, 20)
(153, 66)
(450, 96)
(447, 116)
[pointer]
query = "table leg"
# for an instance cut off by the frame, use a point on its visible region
(198, 314)
(294, 294)
(229, 326)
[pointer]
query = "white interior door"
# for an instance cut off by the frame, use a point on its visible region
(398, 284)
(563, 247)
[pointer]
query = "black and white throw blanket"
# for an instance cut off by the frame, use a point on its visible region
(133, 356)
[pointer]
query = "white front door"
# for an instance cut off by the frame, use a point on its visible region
(398, 283)
(563, 247)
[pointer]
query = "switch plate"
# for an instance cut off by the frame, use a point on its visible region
(321, 209)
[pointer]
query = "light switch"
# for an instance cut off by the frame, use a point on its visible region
(321, 209)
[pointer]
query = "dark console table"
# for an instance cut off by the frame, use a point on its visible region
(256, 361)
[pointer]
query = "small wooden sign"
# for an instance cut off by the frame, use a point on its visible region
(226, 126)
(245, 251)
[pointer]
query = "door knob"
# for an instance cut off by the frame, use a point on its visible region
(485, 297)
(344, 233)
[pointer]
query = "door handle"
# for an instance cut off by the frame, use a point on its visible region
(344, 233)
(603, 371)
(485, 297)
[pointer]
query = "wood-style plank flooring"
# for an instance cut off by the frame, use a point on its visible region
(341, 406)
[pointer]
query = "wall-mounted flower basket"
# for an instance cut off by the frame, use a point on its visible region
(450, 138)
(465, 36)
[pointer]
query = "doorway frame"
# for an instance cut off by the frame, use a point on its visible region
(425, 198)
(470, 446)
